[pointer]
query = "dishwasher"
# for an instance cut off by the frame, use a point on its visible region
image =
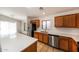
(53, 40)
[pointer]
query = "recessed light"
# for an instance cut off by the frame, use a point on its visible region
(43, 13)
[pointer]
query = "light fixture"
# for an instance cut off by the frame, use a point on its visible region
(43, 13)
(42, 9)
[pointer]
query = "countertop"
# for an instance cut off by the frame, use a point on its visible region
(16, 43)
(73, 36)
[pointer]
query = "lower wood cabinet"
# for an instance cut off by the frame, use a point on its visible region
(40, 35)
(63, 43)
(67, 44)
(43, 37)
(73, 45)
(36, 35)
(31, 48)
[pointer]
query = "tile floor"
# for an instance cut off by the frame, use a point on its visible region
(41, 47)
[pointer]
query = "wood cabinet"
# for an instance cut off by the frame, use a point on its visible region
(63, 43)
(45, 38)
(72, 45)
(37, 22)
(69, 20)
(42, 37)
(66, 21)
(31, 48)
(59, 21)
(67, 44)
(77, 22)
(36, 35)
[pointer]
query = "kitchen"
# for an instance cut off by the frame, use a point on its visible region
(54, 28)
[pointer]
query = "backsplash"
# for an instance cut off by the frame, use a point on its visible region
(68, 30)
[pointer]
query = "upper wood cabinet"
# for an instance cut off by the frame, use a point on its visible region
(37, 22)
(69, 20)
(59, 21)
(66, 21)
(77, 22)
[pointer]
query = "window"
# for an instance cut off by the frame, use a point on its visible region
(24, 26)
(46, 24)
(7, 28)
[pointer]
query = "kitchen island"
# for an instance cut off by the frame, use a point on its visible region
(17, 43)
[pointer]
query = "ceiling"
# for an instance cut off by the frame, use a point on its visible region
(35, 11)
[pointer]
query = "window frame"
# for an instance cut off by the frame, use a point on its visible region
(46, 24)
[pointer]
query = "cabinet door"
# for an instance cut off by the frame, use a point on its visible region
(36, 35)
(59, 21)
(37, 23)
(45, 38)
(40, 37)
(63, 43)
(72, 45)
(70, 20)
(77, 20)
